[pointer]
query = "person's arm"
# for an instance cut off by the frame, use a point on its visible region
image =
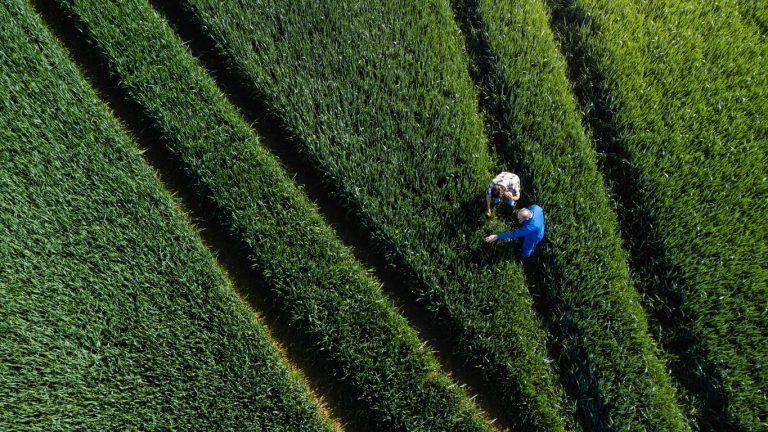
(520, 232)
(512, 196)
(488, 198)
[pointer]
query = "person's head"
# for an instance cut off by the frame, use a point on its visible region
(498, 191)
(524, 214)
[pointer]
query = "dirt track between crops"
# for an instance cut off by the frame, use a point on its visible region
(275, 138)
(246, 281)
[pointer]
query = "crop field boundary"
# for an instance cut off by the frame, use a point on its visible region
(671, 327)
(479, 53)
(228, 251)
(246, 281)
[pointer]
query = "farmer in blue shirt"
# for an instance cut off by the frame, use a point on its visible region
(531, 229)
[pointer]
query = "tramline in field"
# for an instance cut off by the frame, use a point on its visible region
(678, 97)
(114, 314)
(335, 310)
(607, 355)
(378, 99)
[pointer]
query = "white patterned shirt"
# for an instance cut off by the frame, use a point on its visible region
(510, 181)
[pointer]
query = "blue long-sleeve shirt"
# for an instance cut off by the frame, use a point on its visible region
(532, 231)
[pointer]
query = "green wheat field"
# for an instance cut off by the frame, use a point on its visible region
(267, 215)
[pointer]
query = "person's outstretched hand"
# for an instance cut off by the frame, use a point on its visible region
(491, 238)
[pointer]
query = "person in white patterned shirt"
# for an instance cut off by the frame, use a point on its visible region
(505, 186)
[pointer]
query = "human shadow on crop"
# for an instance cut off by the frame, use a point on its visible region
(656, 277)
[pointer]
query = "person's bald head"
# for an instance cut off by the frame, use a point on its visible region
(524, 214)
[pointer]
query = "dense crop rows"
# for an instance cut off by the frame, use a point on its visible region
(114, 315)
(337, 311)
(677, 96)
(380, 104)
(595, 310)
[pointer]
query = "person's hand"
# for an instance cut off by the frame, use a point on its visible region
(488, 213)
(491, 238)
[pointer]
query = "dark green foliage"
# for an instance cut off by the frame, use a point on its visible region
(756, 12)
(607, 354)
(114, 315)
(677, 93)
(378, 99)
(389, 379)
